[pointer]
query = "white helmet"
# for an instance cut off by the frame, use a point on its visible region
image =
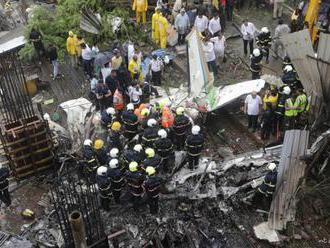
(111, 111)
(102, 171)
(138, 148)
(162, 133)
(113, 164)
(256, 52)
(114, 152)
(195, 130)
(286, 90)
(88, 142)
(271, 166)
(264, 30)
(288, 68)
(151, 122)
(130, 106)
(166, 59)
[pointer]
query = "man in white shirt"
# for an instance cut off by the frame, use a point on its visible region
(86, 54)
(182, 25)
(208, 49)
(280, 30)
(252, 106)
(201, 23)
(214, 25)
(156, 67)
(219, 42)
(135, 93)
(248, 31)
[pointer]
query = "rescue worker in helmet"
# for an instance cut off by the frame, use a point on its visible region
(280, 110)
(129, 155)
(107, 117)
(266, 190)
(152, 186)
(113, 154)
(90, 160)
(144, 118)
(182, 125)
(150, 134)
(302, 108)
(264, 42)
(164, 147)
(152, 159)
(4, 184)
(255, 66)
(130, 122)
(100, 152)
(115, 139)
(116, 178)
(135, 179)
(289, 77)
(104, 186)
(287, 61)
(290, 112)
(194, 146)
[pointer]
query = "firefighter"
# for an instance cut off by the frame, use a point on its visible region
(150, 134)
(264, 40)
(100, 151)
(104, 185)
(115, 139)
(181, 126)
(116, 178)
(4, 184)
(90, 161)
(113, 154)
(194, 146)
(107, 117)
(255, 66)
(152, 159)
(152, 186)
(267, 188)
(287, 61)
(280, 110)
(164, 147)
(289, 77)
(290, 112)
(145, 113)
(130, 122)
(302, 107)
(135, 179)
(137, 155)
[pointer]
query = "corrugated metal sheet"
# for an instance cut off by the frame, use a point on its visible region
(290, 170)
(299, 46)
(324, 68)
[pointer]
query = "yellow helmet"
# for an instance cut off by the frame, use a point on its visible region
(98, 144)
(133, 166)
(180, 110)
(145, 112)
(71, 33)
(150, 170)
(116, 126)
(150, 152)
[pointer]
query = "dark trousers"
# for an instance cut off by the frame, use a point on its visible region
(212, 66)
(181, 38)
(262, 201)
(156, 77)
(193, 161)
(245, 43)
(180, 140)
(265, 132)
(289, 122)
(116, 196)
(5, 197)
(153, 205)
(253, 121)
(239, 4)
(88, 68)
(105, 201)
(255, 75)
(229, 11)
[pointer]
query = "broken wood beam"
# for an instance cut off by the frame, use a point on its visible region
(113, 235)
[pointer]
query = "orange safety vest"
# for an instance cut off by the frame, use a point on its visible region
(138, 110)
(167, 118)
(118, 100)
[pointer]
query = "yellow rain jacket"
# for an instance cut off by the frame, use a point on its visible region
(71, 45)
(140, 5)
(155, 27)
(134, 68)
(163, 26)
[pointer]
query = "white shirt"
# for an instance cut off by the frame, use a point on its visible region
(219, 45)
(134, 94)
(201, 23)
(281, 29)
(253, 104)
(182, 23)
(208, 49)
(156, 65)
(130, 51)
(214, 25)
(86, 53)
(248, 31)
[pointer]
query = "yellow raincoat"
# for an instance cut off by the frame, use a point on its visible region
(135, 69)
(155, 27)
(71, 45)
(163, 26)
(78, 47)
(140, 7)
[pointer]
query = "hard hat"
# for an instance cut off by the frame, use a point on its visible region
(71, 33)
(288, 68)
(88, 142)
(116, 126)
(98, 144)
(151, 122)
(114, 152)
(130, 106)
(133, 166)
(264, 30)
(162, 133)
(101, 171)
(113, 164)
(166, 59)
(180, 110)
(195, 130)
(150, 170)
(145, 112)
(150, 152)
(271, 166)
(138, 148)
(256, 52)
(111, 111)
(286, 90)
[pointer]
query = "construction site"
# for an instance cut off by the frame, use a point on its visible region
(45, 121)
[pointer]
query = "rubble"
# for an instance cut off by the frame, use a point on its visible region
(262, 231)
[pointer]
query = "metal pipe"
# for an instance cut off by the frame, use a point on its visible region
(78, 229)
